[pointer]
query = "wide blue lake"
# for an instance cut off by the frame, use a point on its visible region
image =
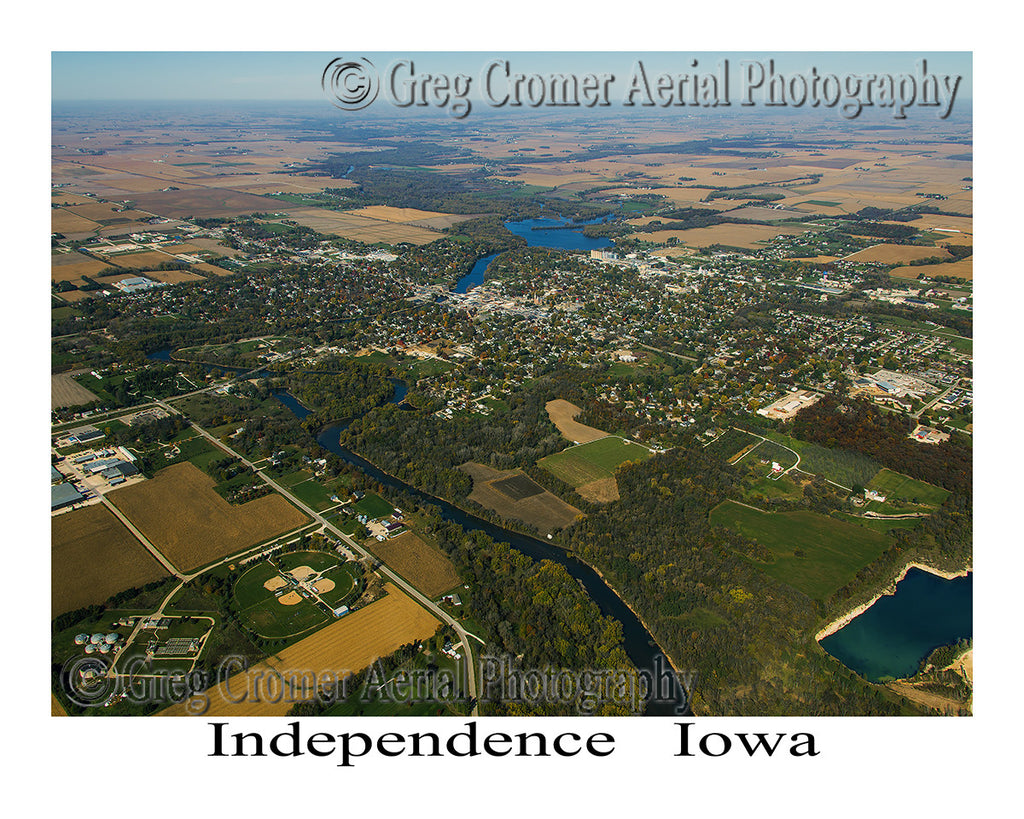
(892, 637)
(553, 233)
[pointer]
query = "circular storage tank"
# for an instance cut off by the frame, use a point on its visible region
(90, 649)
(105, 648)
(112, 638)
(97, 638)
(81, 639)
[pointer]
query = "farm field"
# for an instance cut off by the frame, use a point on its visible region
(593, 461)
(418, 562)
(563, 414)
(203, 202)
(193, 525)
(94, 556)
(361, 228)
(964, 269)
(421, 218)
(744, 236)
(813, 553)
(349, 644)
(897, 254)
(66, 392)
(70, 267)
(513, 495)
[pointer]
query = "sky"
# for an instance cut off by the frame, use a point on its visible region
(295, 76)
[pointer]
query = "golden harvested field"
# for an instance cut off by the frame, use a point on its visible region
(202, 245)
(78, 295)
(745, 236)
(963, 269)
(107, 213)
(563, 414)
(418, 562)
(192, 525)
(209, 269)
(411, 216)
(56, 709)
(70, 267)
(94, 556)
(960, 228)
(64, 221)
(360, 228)
(59, 197)
(895, 254)
(349, 644)
(176, 276)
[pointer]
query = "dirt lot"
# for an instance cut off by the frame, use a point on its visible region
(562, 415)
(94, 556)
(418, 562)
(542, 509)
(193, 525)
(350, 644)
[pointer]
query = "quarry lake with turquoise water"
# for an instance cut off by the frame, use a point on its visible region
(892, 637)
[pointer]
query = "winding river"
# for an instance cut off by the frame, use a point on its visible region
(638, 643)
(640, 646)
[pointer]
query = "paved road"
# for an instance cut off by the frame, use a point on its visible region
(408, 588)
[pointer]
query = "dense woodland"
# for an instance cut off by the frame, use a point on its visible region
(748, 636)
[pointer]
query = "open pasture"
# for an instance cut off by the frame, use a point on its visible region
(813, 553)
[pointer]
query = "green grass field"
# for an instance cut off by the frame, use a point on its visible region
(579, 465)
(313, 494)
(267, 616)
(346, 583)
(769, 488)
(317, 561)
(274, 621)
(897, 486)
(813, 553)
(373, 506)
